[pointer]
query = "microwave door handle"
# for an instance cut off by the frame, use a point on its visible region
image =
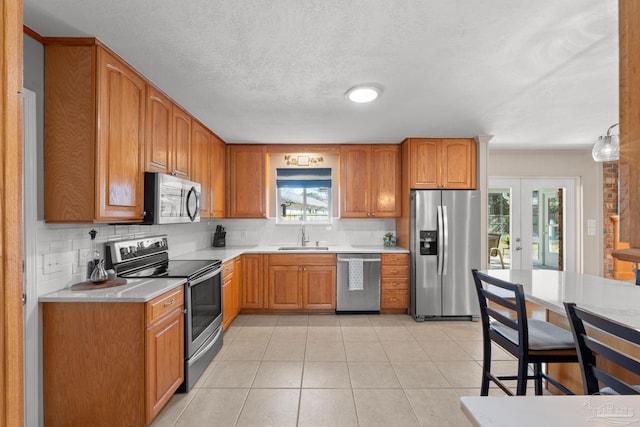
(192, 193)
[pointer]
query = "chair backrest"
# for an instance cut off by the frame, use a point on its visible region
(601, 356)
(494, 240)
(503, 312)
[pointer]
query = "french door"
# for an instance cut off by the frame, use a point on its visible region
(532, 223)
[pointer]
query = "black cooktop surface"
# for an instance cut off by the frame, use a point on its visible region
(175, 268)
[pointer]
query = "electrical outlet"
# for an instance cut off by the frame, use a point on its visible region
(51, 263)
(243, 234)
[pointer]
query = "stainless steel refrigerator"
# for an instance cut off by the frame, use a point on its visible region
(445, 246)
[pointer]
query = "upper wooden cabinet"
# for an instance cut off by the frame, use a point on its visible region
(218, 176)
(246, 170)
(168, 136)
(200, 167)
(181, 152)
(94, 134)
(441, 163)
(370, 181)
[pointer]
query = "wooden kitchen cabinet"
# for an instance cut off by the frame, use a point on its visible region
(246, 171)
(218, 176)
(252, 291)
(93, 134)
(181, 156)
(394, 289)
(448, 163)
(231, 275)
(112, 363)
(302, 282)
(370, 181)
(200, 167)
(168, 136)
(285, 291)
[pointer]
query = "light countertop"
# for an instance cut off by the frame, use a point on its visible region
(136, 290)
(614, 299)
(142, 290)
(230, 252)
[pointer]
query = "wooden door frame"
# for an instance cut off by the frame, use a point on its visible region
(11, 256)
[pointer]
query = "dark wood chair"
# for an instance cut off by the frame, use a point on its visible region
(593, 353)
(504, 321)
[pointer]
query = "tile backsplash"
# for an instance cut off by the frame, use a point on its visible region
(63, 249)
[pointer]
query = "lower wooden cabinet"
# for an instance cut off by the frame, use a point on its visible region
(113, 363)
(231, 291)
(252, 290)
(302, 282)
(394, 292)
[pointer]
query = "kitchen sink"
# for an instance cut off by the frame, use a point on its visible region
(303, 248)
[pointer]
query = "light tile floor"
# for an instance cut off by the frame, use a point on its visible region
(346, 370)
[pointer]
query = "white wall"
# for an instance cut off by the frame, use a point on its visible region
(562, 164)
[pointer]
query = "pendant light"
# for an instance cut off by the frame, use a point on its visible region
(607, 148)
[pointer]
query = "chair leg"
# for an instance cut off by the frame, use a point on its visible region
(537, 373)
(486, 369)
(523, 367)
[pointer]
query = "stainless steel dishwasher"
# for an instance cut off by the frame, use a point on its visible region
(366, 300)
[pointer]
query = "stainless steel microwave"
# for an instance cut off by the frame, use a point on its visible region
(170, 200)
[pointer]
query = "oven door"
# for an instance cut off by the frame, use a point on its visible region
(203, 310)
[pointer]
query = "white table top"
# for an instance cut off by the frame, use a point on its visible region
(551, 411)
(614, 299)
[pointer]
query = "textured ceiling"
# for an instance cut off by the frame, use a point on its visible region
(535, 74)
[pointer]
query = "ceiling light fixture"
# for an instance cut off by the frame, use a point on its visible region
(607, 148)
(361, 94)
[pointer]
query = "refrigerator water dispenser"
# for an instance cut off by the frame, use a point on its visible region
(428, 242)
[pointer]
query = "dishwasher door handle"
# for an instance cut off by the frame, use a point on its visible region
(364, 260)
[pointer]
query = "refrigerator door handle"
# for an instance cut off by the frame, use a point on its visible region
(445, 232)
(440, 241)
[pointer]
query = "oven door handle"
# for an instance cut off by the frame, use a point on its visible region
(199, 279)
(205, 348)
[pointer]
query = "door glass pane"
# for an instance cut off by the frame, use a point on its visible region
(546, 228)
(499, 230)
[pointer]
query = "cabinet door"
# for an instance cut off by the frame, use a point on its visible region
(200, 144)
(319, 287)
(165, 361)
(120, 149)
(284, 287)
(355, 166)
(458, 163)
(424, 163)
(237, 282)
(385, 181)
(252, 282)
(228, 301)
(246, 171)
(181, 163)
(218, 167)
(158, 143)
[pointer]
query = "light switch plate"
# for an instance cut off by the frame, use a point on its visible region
(591, 227)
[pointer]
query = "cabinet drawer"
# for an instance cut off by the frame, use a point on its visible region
(395, 271)
(396, 283)
(401, 259)
(227, 268)
(394, 299)
(165, 303)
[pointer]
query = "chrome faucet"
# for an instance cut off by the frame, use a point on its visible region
(304, 239)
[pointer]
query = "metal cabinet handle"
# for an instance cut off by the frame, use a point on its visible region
(166, 304)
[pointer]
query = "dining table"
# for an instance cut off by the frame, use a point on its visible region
(550, 289)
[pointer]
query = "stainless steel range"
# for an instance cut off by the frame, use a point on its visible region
(149, 257)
